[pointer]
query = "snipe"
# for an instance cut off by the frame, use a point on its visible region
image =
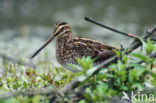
(68, 47)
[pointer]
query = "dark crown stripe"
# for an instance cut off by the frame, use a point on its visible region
(62, 29)
(59, 24)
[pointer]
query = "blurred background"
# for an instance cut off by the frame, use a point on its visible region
(26, 24)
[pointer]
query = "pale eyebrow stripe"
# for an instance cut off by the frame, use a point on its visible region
(59, 24)
(60, 28)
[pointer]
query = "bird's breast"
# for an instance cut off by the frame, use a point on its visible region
(65, 54)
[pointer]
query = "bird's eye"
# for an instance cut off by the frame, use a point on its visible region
(63, 27)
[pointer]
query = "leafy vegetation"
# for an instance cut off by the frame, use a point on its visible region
(125, 75)
(130, 73)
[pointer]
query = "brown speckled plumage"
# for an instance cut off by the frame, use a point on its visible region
(68, 47)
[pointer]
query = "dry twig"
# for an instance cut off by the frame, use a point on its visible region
(110, 28)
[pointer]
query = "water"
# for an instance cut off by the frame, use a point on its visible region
(26, 24)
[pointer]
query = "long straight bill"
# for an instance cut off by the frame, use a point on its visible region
(44, 45)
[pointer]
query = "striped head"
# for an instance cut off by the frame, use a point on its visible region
(60, 29)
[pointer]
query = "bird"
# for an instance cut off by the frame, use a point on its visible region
(68, 47)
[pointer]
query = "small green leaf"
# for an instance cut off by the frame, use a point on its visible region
(91, 71)
(143, 42)
(36, 99)
(117, 52)
(79, 73)
(153, 75)
(140, 56)
(124, 88)
(82, 101)
(75, 67)
(82, 78)
(139, 86)
(149, 47)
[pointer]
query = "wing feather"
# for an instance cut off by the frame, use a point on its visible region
(95, 49)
